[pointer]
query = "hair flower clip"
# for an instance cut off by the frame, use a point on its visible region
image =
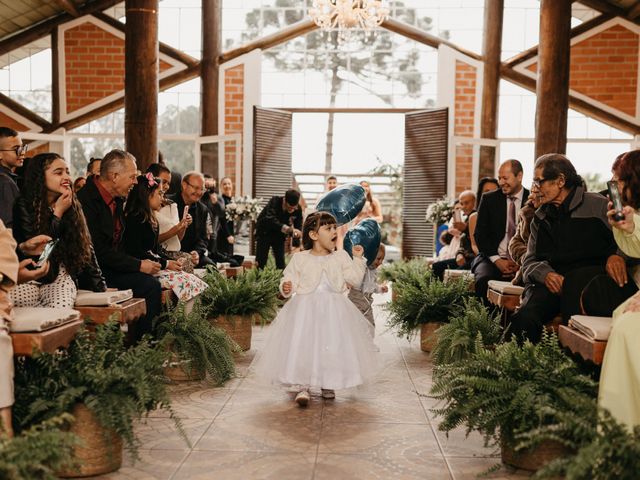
(150, 179)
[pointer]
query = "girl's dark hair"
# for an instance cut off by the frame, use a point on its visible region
(555, 164)
(313, 223)
(156, 169)
(483, 181)
(138, 199)
(74, 248)
(627, 169)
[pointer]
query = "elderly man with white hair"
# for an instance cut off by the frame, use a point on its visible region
(459, 227)
(188, 201)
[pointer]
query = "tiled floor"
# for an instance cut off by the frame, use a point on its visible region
(248, 431)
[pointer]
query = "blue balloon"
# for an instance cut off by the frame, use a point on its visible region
(344, 202)
(367, 234)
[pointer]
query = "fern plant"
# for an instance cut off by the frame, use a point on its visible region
(201, 346)
(392, 272)
(613, 451)
(422, 298)
(470, 324)
(38, 452)
(513, 390)
(253, 292)
(118, 384)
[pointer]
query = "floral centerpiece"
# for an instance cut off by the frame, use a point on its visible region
(243, 208)
(440, 212)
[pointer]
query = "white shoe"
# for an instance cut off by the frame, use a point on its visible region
(302, 398)
(328, 394)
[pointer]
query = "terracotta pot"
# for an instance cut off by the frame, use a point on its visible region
(428, 336)
(533, 459)
(238, 327)
(99, 451)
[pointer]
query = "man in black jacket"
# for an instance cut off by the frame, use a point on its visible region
(281, 217)
(102, 200)
(497, 221)
(195, 236)
(11, 157)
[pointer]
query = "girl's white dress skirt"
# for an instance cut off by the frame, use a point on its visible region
(319, 340)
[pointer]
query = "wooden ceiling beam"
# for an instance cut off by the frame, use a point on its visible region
(604, 6)
(68, 6)
(23, 111)
(44, 28)
(634, 12)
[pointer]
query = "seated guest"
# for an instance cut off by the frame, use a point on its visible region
(619, 380)
(102, 200)
(195, 235)
(140, 239)
(11, 157)
(78, 183)
(225, 243)
(217, 225)
(93, 167)
(518, 244)
(464, 254)
(485, 185)
(570, 243)
(282, 216)
(497, 221)
(47, 206)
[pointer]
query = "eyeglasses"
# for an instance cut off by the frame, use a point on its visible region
(19, 149)
(197, 189)
(537, 182)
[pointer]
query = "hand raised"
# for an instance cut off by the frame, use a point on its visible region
(357, 251)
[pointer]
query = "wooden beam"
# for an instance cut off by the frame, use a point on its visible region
(579, 30)
(55, 78)
(604, 7)
(634, 12)
(44, 28)
(292, 31)
(552, 87)
(141, 81)
(491, 51)
(23, 111)
(68, 6)
(210, 81)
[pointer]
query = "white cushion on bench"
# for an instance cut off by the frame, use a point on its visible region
(455, 273)
(38, 319)
(505, 288)
(87, 298)
(596, 328)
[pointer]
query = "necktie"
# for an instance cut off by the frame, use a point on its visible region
(511, 218)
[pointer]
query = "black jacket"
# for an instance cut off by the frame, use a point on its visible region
(111, 257)
(140, 240)
(273, 217)
(466, 249)
(9, 192)
(492, 221)
(90, 278)
(195, 237)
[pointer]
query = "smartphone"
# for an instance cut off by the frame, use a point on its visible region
(457, 216)
(185, 212)
(44, 256)
(614, 195)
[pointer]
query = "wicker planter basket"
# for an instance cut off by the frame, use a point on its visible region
(99, 451)
(238, 327)
(535, 459)
(178, 370)
(428, 336)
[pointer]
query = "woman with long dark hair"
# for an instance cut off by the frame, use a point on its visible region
(48, 206)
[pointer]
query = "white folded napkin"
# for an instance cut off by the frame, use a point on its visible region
(87, 298)
(596, 328)
(505, 288)
(38, 319)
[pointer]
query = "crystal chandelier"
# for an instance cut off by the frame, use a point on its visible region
(346, 15)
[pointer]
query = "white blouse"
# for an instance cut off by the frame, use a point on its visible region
(167, 219)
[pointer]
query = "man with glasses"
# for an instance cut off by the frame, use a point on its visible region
(12, 153)
(188, 202)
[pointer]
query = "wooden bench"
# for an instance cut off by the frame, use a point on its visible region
(231, 272)
(249, 264)
(580, 344)
(507, 301)
(48, 341)
(124, 313)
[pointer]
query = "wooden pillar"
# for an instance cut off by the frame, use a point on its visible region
(141, 81)
(55, 79)
(491, 51)
(210, 80)
(552, 87)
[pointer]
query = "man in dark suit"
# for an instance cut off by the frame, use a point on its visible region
(497, 220)
(281, 217)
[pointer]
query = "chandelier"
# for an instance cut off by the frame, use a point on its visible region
(346, 15)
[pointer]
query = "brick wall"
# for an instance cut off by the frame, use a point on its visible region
(605, 68)
(464, 122)
(94, 65)
(233, 115)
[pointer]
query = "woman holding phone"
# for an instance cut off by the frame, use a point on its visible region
(48, 206)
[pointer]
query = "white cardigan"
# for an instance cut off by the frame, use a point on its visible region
(304, 272)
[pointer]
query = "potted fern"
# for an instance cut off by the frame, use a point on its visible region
(470, 324)
(197, 348)
(104, 385)
(505, 392)
(233, 303)
(392, 272)
(424, 302)
(38, 452)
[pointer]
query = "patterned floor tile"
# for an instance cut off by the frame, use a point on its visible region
(152, 465)
(162, 434)
(371, 467)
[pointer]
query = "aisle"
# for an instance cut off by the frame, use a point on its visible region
(245, 431)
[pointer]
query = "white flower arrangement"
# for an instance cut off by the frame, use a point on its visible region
(440, 212)
(243, 208)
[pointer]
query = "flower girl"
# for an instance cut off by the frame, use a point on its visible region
(319, 340)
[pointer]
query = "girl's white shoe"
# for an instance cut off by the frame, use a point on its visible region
(302, 398)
